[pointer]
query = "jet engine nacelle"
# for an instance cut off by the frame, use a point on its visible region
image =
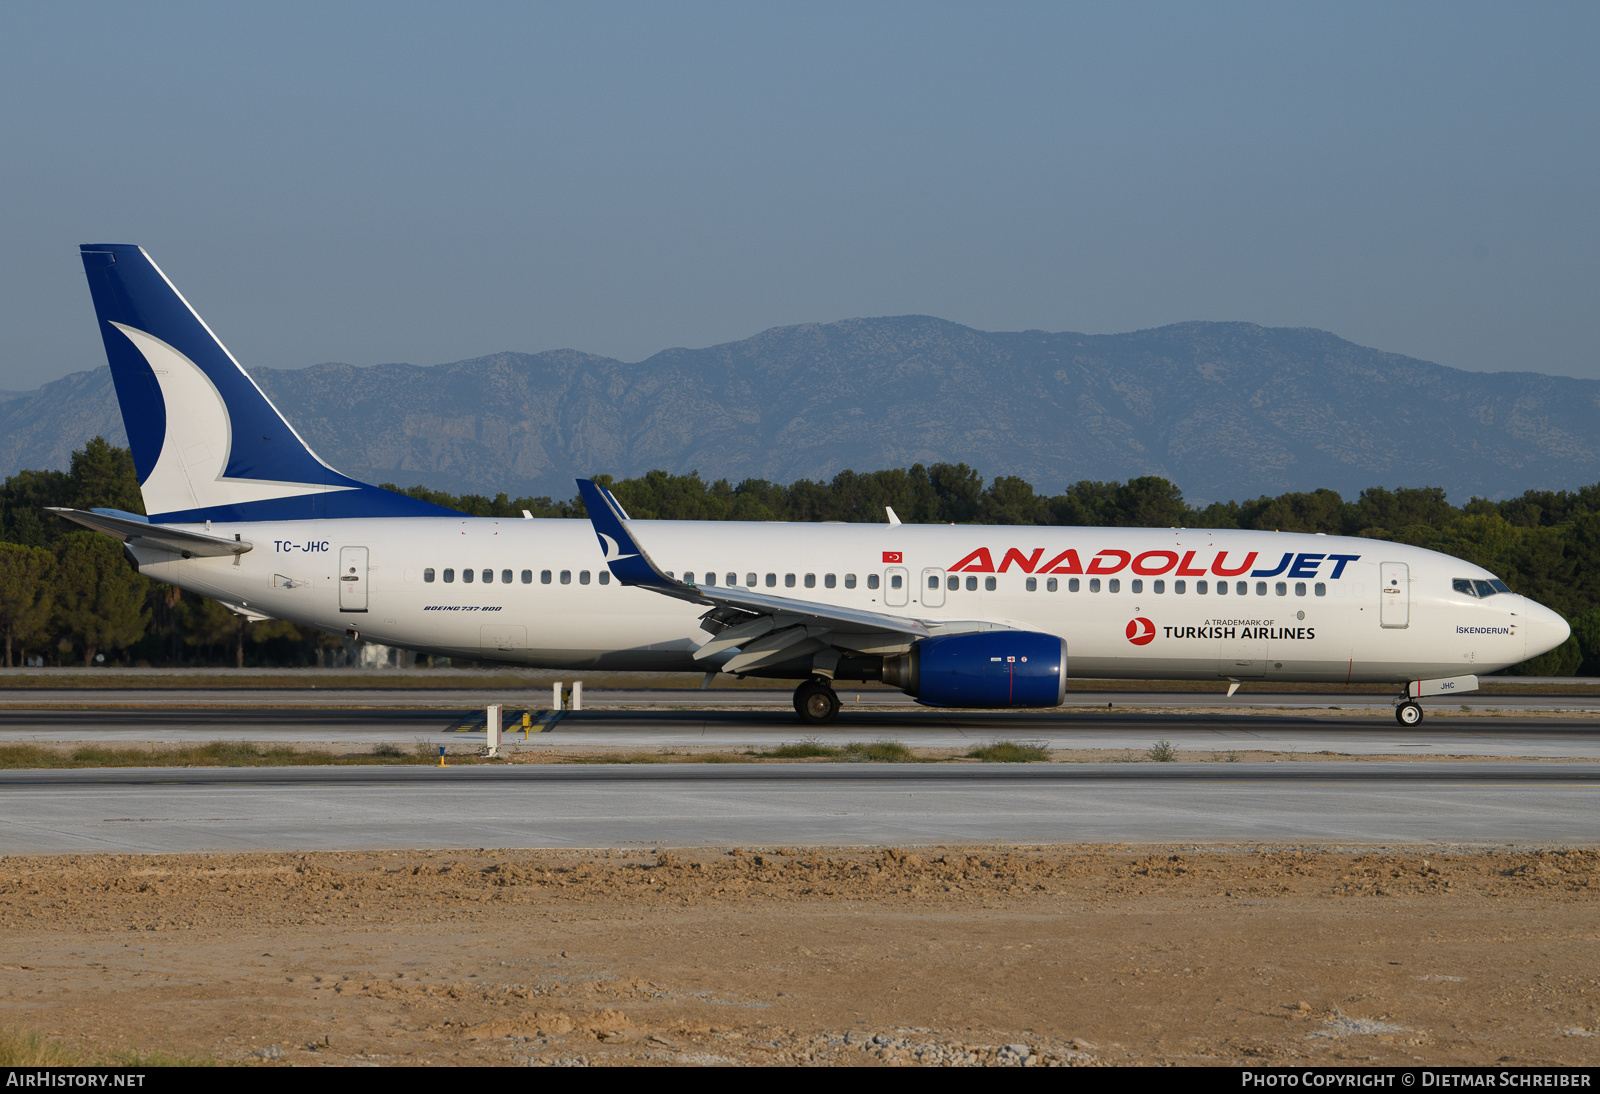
(991, 669)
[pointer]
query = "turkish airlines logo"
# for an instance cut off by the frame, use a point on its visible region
(892, 556)
(1141, 632)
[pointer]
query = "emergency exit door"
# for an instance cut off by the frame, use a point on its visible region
(897, 586)
(1394, 597)
(352, 579)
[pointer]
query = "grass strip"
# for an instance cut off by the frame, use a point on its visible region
(218, 754)
(1009, 752)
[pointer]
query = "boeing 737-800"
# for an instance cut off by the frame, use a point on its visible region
(242, 510)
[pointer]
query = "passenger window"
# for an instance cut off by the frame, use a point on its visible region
(988, 584)
(1180, 587)
(583, 577)
(894, 581)
(872, 581)
(952, 583)
(711, 579)
(466, 575)
(750, 580)
(1282, 588)
(811, 581)
(1243, 588)
(1484, 588)
(1320, 589)
(1201, 588)
(1261, 588)
(830, 580)
(527, 577)
(1159, 586)
(566, 577)
(544, 577)
(427, 575)
(449, 576)
(1222, 588)
(1462, 585)
(1136, 585)
(772, 581)
(1050, 585)
(605, 577)
(788, 581)
(733, 579)
(1114, 585)
(488, 577)
(505, 577)
(972, 584)
(1299, 588)
(1072, 584)
(933, 581)
(1032, 584)
(849, 581)
(1094, 584)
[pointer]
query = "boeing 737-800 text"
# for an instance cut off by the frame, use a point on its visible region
(240, 509)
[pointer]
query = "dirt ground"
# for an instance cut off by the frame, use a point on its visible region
(1106, 955)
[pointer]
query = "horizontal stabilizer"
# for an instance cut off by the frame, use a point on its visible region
(179, 541)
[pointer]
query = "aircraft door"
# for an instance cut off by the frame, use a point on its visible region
(1394, 607)
(896, 586)
(933, 588)
(352, 579)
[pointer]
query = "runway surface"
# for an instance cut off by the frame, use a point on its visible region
(1509, 734)
(233, 809)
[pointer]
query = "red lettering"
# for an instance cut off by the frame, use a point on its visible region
(1184, 569)
(1073, 566)
(1024, 564)
(1100, 564)
(1142, 566)
(978, 562)
(1222, 571)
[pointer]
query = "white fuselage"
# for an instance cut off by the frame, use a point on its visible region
(1147, 601)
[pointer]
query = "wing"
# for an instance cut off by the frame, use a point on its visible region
(766, 629)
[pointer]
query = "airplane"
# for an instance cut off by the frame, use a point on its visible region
(241, 509)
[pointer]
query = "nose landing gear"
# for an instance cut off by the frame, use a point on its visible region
(816, 703)
(1408, 713)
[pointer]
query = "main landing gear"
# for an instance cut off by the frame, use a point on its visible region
(1408, 712)
(816, 702)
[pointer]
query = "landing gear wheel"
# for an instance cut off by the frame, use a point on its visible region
(1408, 713)
(816, 703)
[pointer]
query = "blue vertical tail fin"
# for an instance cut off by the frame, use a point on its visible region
(206, 442)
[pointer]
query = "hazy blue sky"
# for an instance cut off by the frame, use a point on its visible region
(425, 183)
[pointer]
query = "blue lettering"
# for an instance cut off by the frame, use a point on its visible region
(1282, 566)
(1339, 562)
(1305, 565)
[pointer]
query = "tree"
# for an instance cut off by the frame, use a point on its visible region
(103, 478)
(205, 622)
(99, 599)
(25, 592)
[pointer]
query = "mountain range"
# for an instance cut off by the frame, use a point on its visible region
(1225, 410)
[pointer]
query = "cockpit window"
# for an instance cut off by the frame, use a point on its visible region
(1499, 586)
(1485, 588)
(1478, 587)
(1462, 585)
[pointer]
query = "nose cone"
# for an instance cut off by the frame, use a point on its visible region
(1546, 630)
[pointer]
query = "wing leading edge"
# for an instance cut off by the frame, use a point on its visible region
(765, 629)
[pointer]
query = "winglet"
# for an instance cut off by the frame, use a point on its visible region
(628, 561)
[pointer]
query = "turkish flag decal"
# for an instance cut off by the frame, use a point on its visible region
(892, 556)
